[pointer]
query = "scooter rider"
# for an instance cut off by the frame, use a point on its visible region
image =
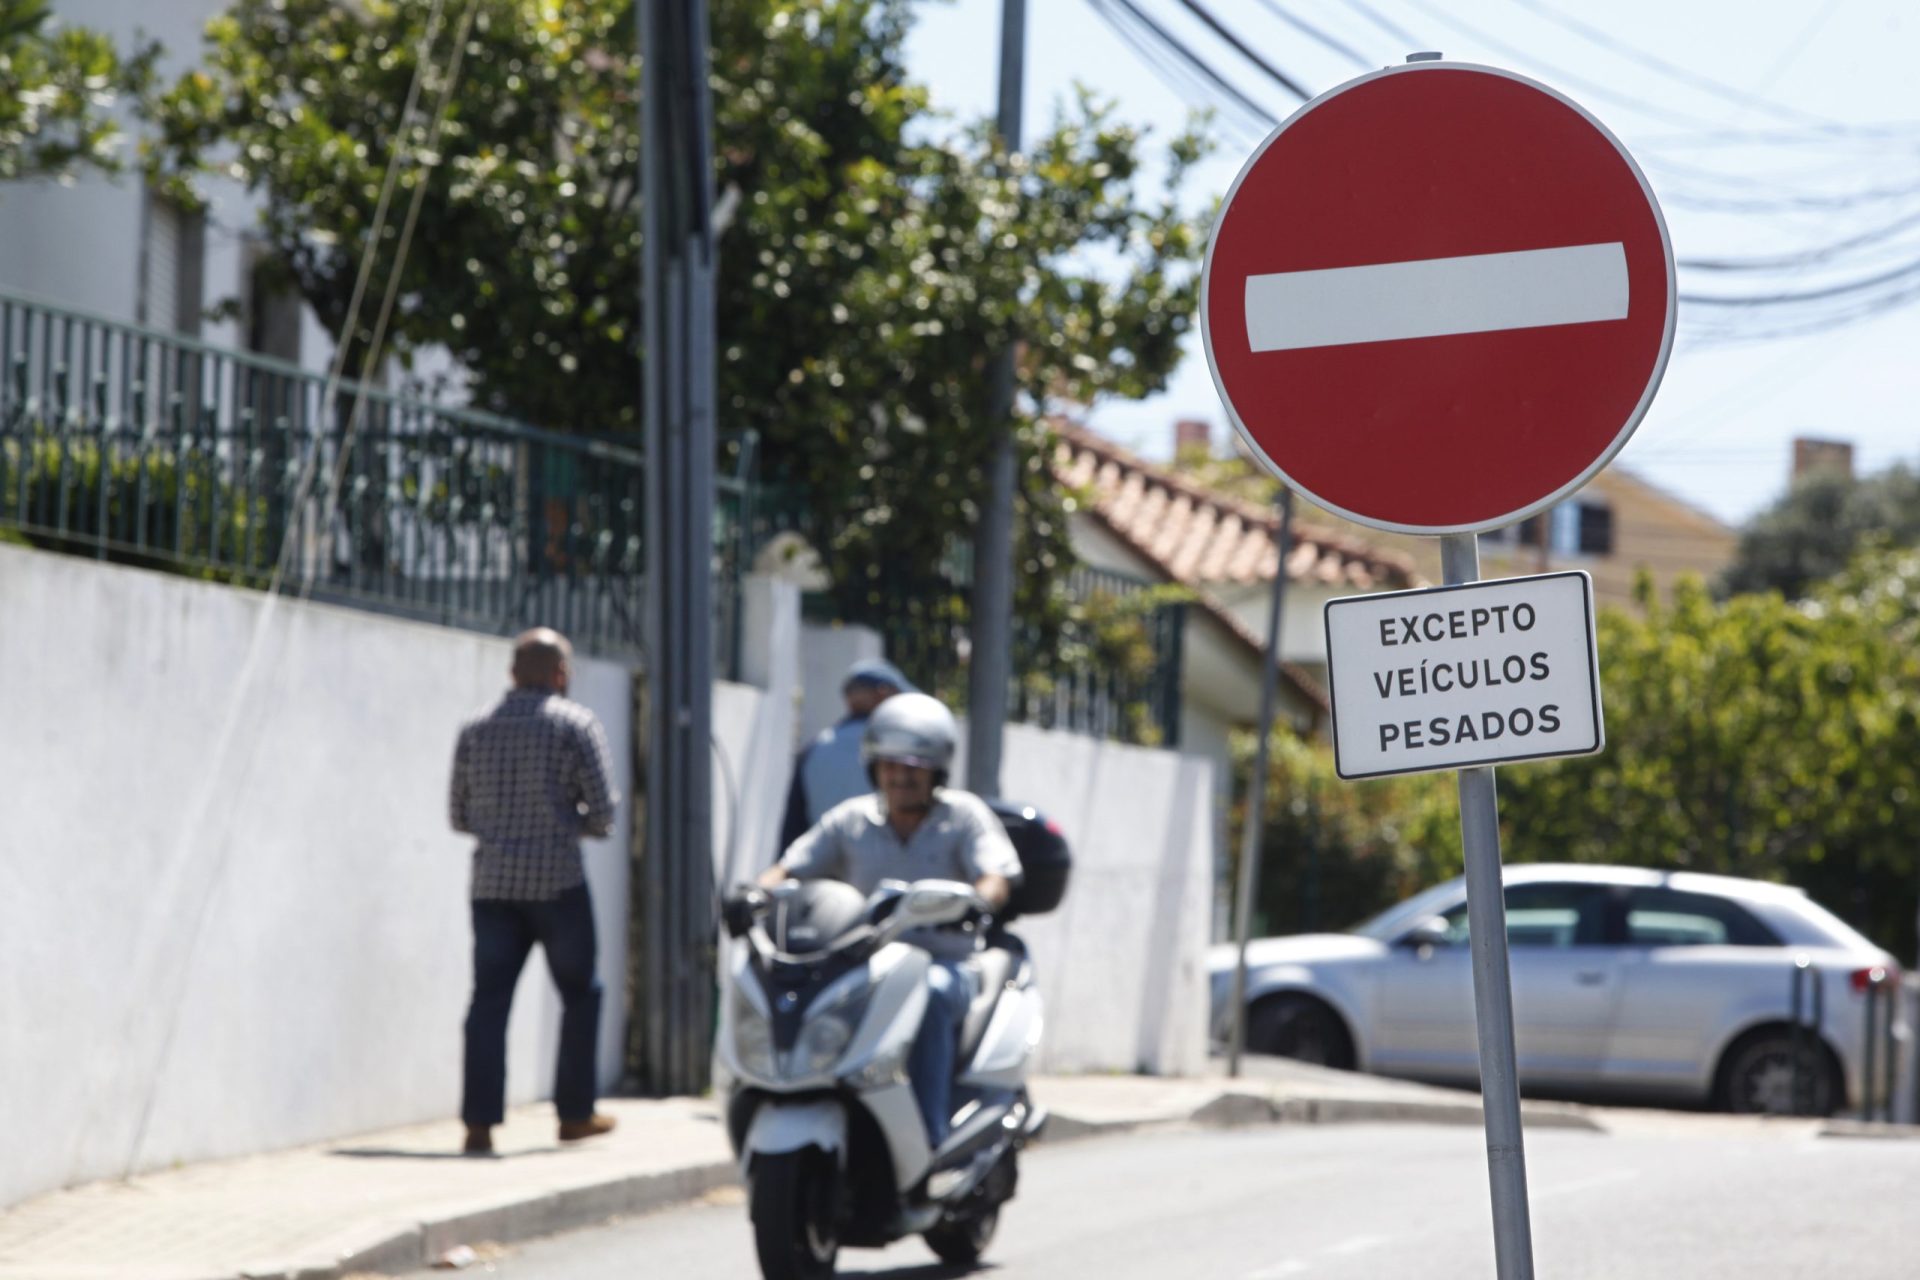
(913, 827)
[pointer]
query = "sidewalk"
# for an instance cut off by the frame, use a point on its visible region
(394, 1201)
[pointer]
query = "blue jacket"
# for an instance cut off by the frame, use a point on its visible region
(828, 771)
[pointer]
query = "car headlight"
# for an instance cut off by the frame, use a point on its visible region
(752, 1036)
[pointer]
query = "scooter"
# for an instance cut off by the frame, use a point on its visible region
(819, 1010)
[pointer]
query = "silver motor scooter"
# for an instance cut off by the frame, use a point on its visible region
(820, 1006)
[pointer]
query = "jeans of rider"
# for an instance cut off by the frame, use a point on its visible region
(504, 932)
(930, 1064)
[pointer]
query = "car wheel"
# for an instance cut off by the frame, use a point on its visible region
(1757, 1077)
(1300, 1027)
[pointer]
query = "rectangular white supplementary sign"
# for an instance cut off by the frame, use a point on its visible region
(1454, 677)
(1433, 297)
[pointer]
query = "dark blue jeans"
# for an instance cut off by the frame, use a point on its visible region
(503, 933)
(930, 1063)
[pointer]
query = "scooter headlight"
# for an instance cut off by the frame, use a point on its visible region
(752, 1037)
(823, 1041)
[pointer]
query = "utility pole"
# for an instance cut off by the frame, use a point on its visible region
(1257, 786)
(990, 630)
(677, 963)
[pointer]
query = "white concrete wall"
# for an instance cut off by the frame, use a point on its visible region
(232, 915)
(826, 654)
(753, 729)
(1122, 962)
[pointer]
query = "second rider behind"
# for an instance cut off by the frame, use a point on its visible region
(913, 827)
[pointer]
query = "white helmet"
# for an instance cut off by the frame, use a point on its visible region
(910, 728)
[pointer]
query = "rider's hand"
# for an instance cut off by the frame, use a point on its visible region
(738, 910)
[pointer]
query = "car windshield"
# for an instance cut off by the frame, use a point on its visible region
(1397, 919)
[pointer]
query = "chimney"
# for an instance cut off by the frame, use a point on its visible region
(1192, 433)
(1810, 455)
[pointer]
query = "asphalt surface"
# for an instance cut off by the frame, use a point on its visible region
(1699, 1197)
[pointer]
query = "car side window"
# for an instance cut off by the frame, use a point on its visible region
(1671, 918)
(1544, 915)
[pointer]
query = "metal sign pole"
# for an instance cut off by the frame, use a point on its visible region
(990, 660)
(1257, 789)
(1492, 983)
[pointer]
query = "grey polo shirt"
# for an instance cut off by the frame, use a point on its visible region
(959, 839)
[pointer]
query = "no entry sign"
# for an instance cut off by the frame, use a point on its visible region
(1438, 298)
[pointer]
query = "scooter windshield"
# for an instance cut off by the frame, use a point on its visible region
(809, 920)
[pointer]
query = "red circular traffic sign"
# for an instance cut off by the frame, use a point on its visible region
(1438, 298)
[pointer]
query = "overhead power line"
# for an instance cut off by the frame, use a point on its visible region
(1687, 76)
(1273, 73)
(1181, 74)
(1312, 32)
(1805, 257)
(1409, 42)
(1220, 83)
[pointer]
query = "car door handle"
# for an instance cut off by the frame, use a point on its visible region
(1590, 977)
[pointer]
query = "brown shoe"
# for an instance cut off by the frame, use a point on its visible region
(592, 1127)
(479, 1140)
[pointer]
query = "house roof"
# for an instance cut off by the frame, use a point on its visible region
(1201, 538)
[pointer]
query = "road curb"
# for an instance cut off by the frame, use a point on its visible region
(517, 1219)
(513, 1219)
(1868, 1129)
(1237, 1108)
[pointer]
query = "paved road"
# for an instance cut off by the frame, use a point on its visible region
(1659, 1198)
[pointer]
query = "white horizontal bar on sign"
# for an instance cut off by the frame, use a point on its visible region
(1482, 293)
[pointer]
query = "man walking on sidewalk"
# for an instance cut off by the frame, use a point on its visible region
(530, 778)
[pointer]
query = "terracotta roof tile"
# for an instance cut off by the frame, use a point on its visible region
(1200, 537)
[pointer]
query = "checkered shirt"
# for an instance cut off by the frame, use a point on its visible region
(530, 778)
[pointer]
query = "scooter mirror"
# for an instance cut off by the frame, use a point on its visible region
(932, 902)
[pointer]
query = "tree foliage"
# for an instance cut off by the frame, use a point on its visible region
(1812, 532)
(58, 86)
(877, 254)
(1750, 737)
(1334, 852)
(1753, 737)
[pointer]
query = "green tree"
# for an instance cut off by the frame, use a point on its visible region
(876, 256)
(58, 86)
(1753, 737)
(1334, 852)
(1815, 529)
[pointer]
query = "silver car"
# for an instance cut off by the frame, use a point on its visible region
(1625, 982)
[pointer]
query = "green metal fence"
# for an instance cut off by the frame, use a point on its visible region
(151, 449)
(1112, 669)
(1106, 664)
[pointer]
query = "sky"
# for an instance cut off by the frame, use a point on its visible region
(1782, 138)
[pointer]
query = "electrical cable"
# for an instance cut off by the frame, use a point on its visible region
(1274, 73)
(1805, 257)
(242, 683)
(1312, 32)
(395, 274)
(1706, 84)
(1408, 41)
(1182, 79)
(1220, 82)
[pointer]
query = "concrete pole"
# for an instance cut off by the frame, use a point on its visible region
(990, 661)
(1492, 983)
(1257, 788)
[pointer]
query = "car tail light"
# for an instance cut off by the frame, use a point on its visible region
(1875, 975)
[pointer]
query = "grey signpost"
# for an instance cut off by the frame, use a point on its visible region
(1452, 337)
(1249, 886)
(1492, 982)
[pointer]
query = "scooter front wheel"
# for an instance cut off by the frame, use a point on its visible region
(794, 1203)
(963, 1241)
